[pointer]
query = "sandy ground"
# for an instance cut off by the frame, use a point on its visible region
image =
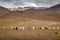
(30, 34)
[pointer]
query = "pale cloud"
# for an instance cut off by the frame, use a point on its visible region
(5, 4)
(30, 4)
(34, 3)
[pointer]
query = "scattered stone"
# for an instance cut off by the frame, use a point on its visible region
(38, 34)
(17, 39)
(56, 32)
(16, 28)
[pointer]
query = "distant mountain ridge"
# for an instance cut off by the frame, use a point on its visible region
(26, 8)
(55, 7)
(3, 9)
(33, 14)
(35, 8)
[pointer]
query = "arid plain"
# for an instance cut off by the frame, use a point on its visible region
(46, 25)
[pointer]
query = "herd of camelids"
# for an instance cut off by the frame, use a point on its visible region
(29, 28)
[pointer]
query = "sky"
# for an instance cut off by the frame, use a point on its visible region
(28, 3)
